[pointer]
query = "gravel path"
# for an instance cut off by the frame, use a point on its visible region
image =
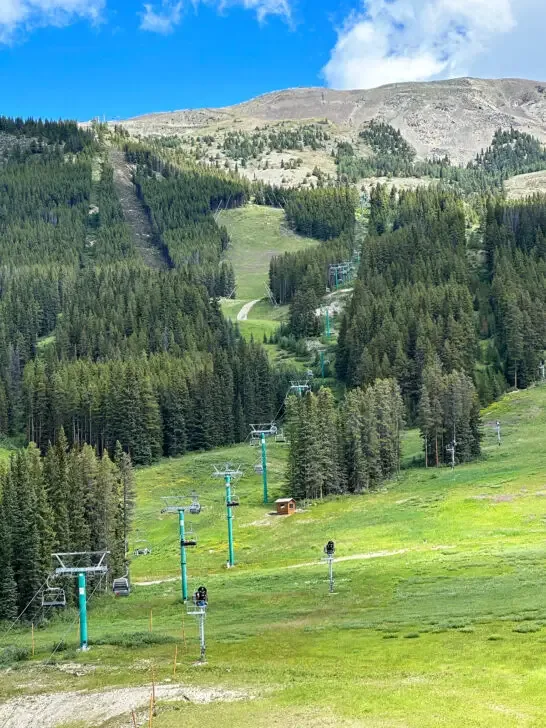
(243, 313)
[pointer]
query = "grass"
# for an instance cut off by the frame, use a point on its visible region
(439, 616)
(257, 234)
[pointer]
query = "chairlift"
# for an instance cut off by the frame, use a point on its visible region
(267, 428)
(121, 587)
(259, 468)
(53, 596)
(234, 502)
(195, 509)
(280, 436)
(200, 598)
(144, 549)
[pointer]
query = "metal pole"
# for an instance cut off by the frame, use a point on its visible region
(331, 573)
(82, 600)
(327, 323)
(231, 559)
(202, 633)
(183, 569)
(264, 467)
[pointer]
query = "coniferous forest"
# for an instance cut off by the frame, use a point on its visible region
(106, 362)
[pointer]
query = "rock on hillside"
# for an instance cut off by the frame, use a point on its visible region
(456, 117)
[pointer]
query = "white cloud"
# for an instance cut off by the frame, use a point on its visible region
(163, 18)
(24, 15)
(162, 21)
(263, 8)
(392, 41)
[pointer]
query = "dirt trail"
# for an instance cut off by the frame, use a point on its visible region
(354, 557)
(243, 313)
(54, 709)
(133, 211)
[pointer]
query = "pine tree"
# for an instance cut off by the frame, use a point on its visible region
(8, 585)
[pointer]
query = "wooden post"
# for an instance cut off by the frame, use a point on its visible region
(133, 716)
(175, 656)
(32, 639)
(153, 685)
(150, 622)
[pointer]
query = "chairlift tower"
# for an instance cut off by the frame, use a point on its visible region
(339, 273)
(264, 468)
(64, 568)
(541, 369)
(258, 430)
(330, 550)
(231, 502)
(201, 601)
(175, 504)
(322, 357)
(451, 448)
(327, 329)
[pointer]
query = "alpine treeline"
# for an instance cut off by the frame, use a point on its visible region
(343, 449)
(511, 152)
(68, 500)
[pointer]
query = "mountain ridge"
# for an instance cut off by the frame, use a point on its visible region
(457, 117)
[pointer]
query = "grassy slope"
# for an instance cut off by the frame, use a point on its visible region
(257, 234)
(447, 630)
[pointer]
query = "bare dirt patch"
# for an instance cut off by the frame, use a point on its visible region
(50, 710)
(133, 211)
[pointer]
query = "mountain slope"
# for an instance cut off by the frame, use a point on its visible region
(456, 117)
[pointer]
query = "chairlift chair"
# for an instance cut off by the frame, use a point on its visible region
(195, 509)
(258, 468)
(53, 596)
(234, 502)
(142, 551)
(121, 587)
(142, 547)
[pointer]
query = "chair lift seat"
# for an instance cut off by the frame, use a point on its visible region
(53, 598)
(121, 587)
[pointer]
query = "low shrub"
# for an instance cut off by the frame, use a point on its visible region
(135, 639)
(11, 654)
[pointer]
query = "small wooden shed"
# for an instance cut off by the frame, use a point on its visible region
(285, 506)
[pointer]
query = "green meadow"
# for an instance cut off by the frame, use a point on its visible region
(438, 616)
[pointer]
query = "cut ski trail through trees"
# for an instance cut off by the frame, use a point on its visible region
(243, 313)
(55, 709)
(134, 213)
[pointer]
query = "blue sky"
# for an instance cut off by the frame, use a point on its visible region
(82, 58)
